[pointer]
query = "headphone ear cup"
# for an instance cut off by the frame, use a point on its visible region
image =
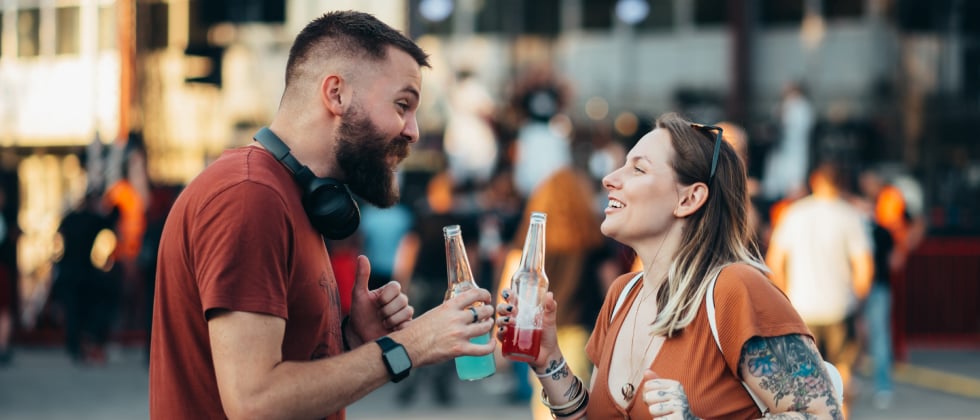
(331, 208)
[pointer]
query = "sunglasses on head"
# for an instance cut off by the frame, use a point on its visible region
(714, 156)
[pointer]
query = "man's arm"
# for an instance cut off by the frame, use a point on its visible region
(776, 260)
(787, 374)
(862, 271)
(254, 381)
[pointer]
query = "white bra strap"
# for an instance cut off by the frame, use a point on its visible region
(626, 292)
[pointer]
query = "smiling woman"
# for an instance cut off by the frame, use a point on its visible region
(680, 203)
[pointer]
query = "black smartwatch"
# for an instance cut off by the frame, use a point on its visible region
(395, 357)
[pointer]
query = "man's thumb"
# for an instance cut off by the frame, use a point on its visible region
(362, 274)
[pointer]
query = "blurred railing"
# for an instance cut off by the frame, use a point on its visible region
(937, 298)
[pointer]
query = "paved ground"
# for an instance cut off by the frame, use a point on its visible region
(42, 384)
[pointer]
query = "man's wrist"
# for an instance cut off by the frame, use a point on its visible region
(351, 340)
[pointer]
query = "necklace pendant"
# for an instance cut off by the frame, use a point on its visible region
(628, 391)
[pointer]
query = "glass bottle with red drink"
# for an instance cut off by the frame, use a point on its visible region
(522, 340)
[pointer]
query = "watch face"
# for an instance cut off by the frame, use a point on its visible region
(398, 360)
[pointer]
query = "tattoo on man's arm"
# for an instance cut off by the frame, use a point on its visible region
(789, 366)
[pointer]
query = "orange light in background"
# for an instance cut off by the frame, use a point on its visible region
(626, 124)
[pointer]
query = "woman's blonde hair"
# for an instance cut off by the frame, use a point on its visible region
(716, 235)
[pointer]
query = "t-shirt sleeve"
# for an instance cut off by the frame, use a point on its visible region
(241, 249)
(595, 345)
(748, 305)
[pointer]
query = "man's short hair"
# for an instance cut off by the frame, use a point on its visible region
(349, 34)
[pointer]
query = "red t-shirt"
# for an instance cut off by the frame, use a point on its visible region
(237, 238)
(747, 305)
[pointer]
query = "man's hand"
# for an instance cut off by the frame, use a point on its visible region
(375, 313)
(445, 331)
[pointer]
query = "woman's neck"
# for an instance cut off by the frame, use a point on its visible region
(657, 259)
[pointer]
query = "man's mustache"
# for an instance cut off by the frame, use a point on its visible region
(399, 147)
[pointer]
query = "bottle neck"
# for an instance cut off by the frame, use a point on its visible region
(532, 258)
(457, 264)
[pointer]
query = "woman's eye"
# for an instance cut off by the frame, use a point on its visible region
(638, 170)
(403, 105)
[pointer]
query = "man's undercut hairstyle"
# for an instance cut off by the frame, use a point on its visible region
(348, 34)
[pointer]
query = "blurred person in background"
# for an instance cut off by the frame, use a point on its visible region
(820, 255)
(682, 207)
(787, 165)
(541, 147)
(572, 239)
(469, 140)
(247, 320)
(874, 323)
(87, 283)
(897, 229)
(127, 199)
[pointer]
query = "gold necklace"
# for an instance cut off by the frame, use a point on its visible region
(629, 390)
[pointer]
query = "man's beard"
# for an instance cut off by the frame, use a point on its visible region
(363, 153)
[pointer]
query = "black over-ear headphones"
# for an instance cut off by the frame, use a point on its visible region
(328, 202)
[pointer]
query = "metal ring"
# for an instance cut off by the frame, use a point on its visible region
(475, 316)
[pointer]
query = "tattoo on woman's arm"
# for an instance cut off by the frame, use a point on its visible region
(789, 366)
(572, 390)
(556, 373)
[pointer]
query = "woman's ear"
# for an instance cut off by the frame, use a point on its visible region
(690, 199)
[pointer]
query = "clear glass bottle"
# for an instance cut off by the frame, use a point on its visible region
(469, 368)
(522, 340)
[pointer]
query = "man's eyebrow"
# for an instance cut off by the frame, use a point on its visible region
(412, 91)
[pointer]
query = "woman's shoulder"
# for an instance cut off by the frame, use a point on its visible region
(743, 278)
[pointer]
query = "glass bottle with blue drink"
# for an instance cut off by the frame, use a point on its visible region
(469, 368)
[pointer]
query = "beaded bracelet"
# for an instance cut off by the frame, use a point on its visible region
(548, 373)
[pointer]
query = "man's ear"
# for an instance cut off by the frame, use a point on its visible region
(690, 199)
(334, 93)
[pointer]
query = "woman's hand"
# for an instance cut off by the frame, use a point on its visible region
(506, 314)
(665, 398)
